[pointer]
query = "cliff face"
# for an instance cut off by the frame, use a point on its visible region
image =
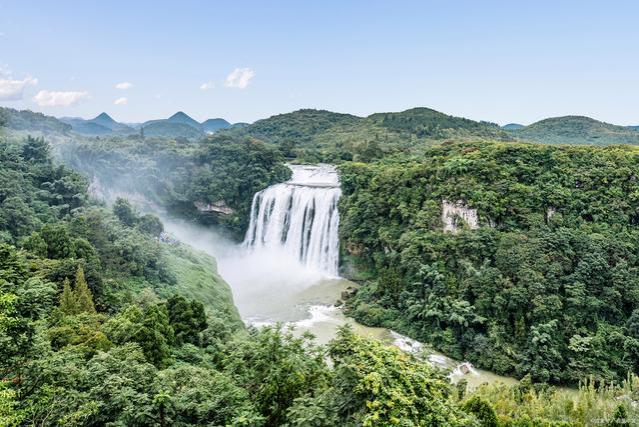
(453, 213)
(219, 207)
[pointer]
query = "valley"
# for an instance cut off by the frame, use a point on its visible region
(468, 256)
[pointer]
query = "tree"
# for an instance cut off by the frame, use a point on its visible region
(36, 149)
(198, 396)
(36, 245)
(620, 417)
(155, 335)
(59, 244)
(10, 415)
(125, 212)
(151, 225)
(379, 385)
(16, 337)
(481, 409)
(187, 319)
(276, 368)
(82, 293)
(68, 301)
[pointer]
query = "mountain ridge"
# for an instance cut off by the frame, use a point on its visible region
(577, 130)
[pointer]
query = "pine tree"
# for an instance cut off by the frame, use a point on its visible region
(68, 302)
(82, 293)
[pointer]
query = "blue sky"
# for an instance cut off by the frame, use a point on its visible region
(498, 61)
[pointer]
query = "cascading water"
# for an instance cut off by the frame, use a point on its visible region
(299, 218)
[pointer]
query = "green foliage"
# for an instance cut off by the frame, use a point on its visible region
(78, 300)
(541, 405)
(29, 121)
(224, 169)
(80, 332)
(577, 130)
(200, 396)
(68, 301)
(125, 212)
(187, 319)
(426, 122)
(546, 285)
(551, 293)
(317, 135)
(82, 293)
(151, 225)
(10, 416)
(482, 410)
(379, 385)
(155, 335)
(276, 368)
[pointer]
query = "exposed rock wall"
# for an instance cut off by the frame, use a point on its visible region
(217, 207)
(453, 214)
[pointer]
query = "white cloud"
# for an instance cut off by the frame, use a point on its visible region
(124, 85)
(239, 78)
(47, 98)
(121, 101)
(12, 90)
(207, 86)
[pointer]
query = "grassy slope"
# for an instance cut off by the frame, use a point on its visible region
(197, 278)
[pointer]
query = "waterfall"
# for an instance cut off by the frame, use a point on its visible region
(299, 218)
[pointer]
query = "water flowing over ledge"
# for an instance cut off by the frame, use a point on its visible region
(299, 218)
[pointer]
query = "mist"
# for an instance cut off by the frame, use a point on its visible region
(268, 285)
(269, 282)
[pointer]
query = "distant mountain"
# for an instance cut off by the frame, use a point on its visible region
(183, 118)
(179, 124)
(106, 121)
(577, 130)
(167, 129)
(174, 126)
(633, 127)
(512, 126)
(213, 125)
(240, 125)
(86, 127)
(103, 124)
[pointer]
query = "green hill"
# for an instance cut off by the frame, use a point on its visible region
(512, 126)
(26, 120)
(300, 126)
(213, 125)
(86, 127)
(429, 123)
(319, 135)
(577, 130)
(167, 129)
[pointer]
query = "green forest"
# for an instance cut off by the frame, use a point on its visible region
(547, 286)
(104, 321)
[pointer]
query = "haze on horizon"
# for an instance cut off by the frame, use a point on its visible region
(249, 60)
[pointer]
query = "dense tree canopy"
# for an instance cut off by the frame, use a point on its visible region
(547, 285)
